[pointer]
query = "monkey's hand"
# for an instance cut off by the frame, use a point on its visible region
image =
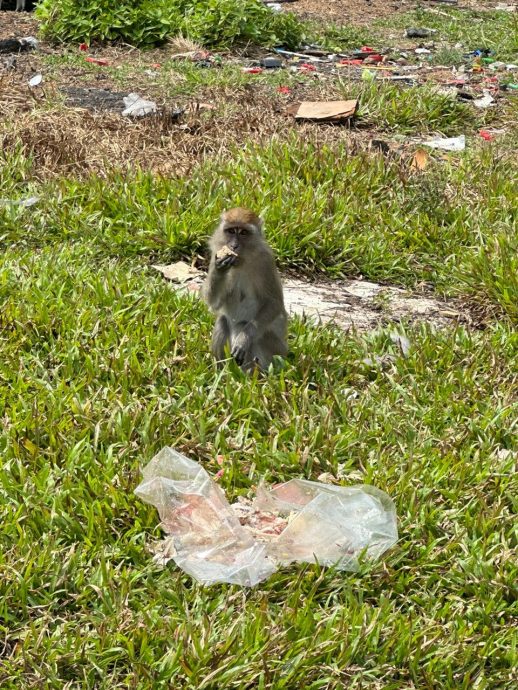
(242, 344)
(225, 258)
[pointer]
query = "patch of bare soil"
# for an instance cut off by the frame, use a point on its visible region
(363, 12)
(17, 25)
(356, 304)
(348, 11)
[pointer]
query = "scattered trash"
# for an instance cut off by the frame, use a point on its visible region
(447, 144)
(84, 47)
(253, 70)
(94, 99)
(102, 62)
(420, 160)
(484, 102)
(22, 203)
(420, 33)
(284, 89)
(35, 80)
(304, 56)
(298, 521)
(324, 111)
(307, 67)
(18, 45)
(373, 59)
(137, 106)
(356, 62)
(271, 62)
(422, 51)
(275, 6)
(481, 52)
(489, 134)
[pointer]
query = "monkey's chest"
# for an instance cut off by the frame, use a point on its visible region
(241, 303)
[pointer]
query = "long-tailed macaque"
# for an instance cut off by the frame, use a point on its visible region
(244, 290)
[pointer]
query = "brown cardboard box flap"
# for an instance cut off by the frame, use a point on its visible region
(325, 110)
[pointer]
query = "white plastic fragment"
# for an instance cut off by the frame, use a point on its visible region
(23, 203)
(485, 101)
(447, 144)
(35, 80)
(31, 41)
(299, 521)
(402, 342)
(137, 106)
(422, 51)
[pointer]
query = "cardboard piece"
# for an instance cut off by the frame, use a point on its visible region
(324, 111)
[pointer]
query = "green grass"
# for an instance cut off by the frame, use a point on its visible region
(497, 31)
(102, 364)
(349, 215)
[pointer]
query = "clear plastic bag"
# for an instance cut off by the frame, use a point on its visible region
(299, 521)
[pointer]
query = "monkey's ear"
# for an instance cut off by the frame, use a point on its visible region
(260, 224)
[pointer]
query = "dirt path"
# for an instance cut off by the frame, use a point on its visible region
(358, 304)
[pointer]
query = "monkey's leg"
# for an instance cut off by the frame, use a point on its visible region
(220, 337)
(269, 345)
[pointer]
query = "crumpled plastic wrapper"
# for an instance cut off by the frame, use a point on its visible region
(299, 521)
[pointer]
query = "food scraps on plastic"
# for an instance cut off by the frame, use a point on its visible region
(298, 521)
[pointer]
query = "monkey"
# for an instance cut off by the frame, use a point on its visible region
(244, 290)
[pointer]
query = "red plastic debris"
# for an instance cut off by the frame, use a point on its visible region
(284, 89)
(373, 57)
(156, 65)
(346, 61)
(486, 135)
(367, 49)
(97, 61)
(84, 47)
(253, 70)
(306, 67)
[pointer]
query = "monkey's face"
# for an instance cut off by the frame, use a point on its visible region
(237, 238)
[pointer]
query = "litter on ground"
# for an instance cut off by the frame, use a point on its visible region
(299, 521)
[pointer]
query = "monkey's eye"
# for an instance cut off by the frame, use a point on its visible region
(231, 231)
(243, 231)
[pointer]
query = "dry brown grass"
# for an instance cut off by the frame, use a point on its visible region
(62, 140)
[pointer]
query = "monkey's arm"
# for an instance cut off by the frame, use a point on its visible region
(213, 287)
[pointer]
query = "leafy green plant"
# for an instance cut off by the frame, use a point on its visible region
(150, 22)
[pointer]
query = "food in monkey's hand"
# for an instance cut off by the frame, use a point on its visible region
(225, 251)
